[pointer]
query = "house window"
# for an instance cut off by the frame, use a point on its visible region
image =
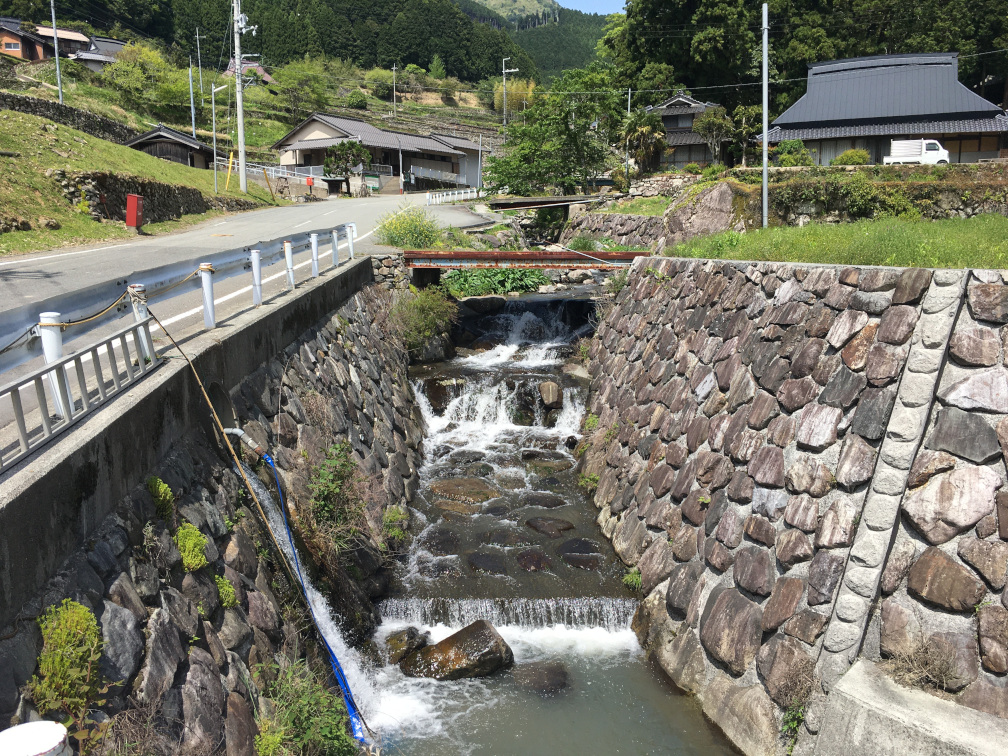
(686, 121)
(12, 45)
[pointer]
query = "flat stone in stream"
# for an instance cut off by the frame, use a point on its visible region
(456, 507)
(544, 678)
(476, 650)
(533, 560)
(543, 499)
(479, 470)
(467, 490)
(488, 561)
(440, 542)
(581, 553)
(506, 537)
(497, 510)
(551, 527)
(547, 466)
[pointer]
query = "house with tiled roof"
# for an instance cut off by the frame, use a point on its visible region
(684, 145)
(440, 158)
(864, 103)
(102, 52)
(20, 42)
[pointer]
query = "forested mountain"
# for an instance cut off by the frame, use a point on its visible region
(712, 43)
(562, 41)
(513, 10)
(372, 33)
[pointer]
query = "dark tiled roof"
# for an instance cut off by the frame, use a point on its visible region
(106, 45)
(680, 138)
(93, 55)
(880, 87)
(995, 125)
(456, 141)
(315, 144)
(163, 133)
(372, 136)
(14, 25)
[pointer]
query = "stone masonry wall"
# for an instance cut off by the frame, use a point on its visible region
(175, 649)
(89, 123)
(756, 424)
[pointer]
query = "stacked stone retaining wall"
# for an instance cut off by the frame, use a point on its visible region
(82, 120)
(168, 641)
(756, 429)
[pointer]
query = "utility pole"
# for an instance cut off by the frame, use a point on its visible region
(240, 27)
(393, 90)
(55, 42)
(506, 71)
(628, 141)
(213, 108)
(766, 101)
(192, 101)
(479, 165)
(199, 64)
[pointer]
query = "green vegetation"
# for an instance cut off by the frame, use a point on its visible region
(226, 592)
(980, 242)
(632, 579)
(334, 516)
(791, 153)
(851, 157)
(192, 546)
(654, 206)
(307, 718)
(475, 282)
(556, 46)
(714, 127)
(791, 723)
(591, 423)
(356, 100)
(617, 282)
(589, 482)
(164, 499)
(341, 159)
(409, 227)
(394, 522)
(582, 244)
(68, 678)
(423, 314)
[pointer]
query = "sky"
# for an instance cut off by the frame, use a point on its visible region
(594, 6)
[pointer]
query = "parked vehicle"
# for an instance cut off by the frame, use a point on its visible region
(927, 151)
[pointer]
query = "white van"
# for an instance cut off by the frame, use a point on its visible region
(927, 151)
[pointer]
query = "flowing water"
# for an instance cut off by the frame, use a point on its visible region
(554, 591)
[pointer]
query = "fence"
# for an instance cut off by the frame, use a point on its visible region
(441, 198)
(37, 330)
(436, 175)
(274, 171)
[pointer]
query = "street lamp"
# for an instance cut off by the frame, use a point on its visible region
(213, 110)
(506, 71)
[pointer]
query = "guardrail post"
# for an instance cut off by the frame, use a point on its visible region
(351, 232)
(206, 278)
(52, 347)
(289, 256)
(335, 247)
(428, 198)
(256, 278)
(314, 255)
(138, 298)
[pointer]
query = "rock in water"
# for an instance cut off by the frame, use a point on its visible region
(552, 396)
(544, 678)
(403, 643)
(476, 650)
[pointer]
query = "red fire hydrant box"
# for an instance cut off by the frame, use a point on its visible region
(134, 211)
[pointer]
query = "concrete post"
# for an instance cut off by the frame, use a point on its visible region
(256, 277)
(52, 348)
(206, 277)
(335, 247)
(314, 255)
(138, 298)
(351, 232)
(289, 257)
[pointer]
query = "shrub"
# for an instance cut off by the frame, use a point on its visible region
(307, 717)
(582, 244)
(192, 546)
(335, 515)
(164, 499)
(68, 679)
(590, 423)
(226, 591)
(617, 282)
(411, 227)
(589, 482)
(393, 522)
(692, 168)
(792, 152)
(379, 81)
(476, 282)
(851, 157)
(424, 314)
(632, 579)
(357, 100)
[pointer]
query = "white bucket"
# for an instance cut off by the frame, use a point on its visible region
(35, 739)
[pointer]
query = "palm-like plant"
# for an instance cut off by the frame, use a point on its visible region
(644, 136)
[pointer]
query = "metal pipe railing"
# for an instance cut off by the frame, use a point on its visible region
(454, 195)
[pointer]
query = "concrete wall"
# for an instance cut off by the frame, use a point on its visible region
(53, 501)
(757, 425)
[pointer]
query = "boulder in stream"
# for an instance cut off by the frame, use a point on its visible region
(403, 643)
(544, 678)
(551, 394)
(476, 650)
(551, 527)
(582, 553)
(467, 490)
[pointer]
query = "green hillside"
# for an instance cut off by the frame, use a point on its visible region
(568, 42)
(514, 10)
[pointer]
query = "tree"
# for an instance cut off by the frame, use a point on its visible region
(748, 122)
(300, 85)
(714, 126)
(343, 158)
(644, 136)
(437, 68)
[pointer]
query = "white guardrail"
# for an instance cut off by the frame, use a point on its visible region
(441, 198)
(54, 403)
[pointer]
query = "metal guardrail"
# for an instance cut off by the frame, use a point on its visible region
(274, 171)
(21, 333)
(498, 258)
(100, 373)
(441, 198)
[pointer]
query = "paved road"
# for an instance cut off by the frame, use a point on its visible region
(38, 276)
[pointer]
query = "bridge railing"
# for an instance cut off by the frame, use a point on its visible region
(497, 258)
(454, 195)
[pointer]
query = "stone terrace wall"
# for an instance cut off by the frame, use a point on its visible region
(748, 464)
(89, 123)
(945, 575)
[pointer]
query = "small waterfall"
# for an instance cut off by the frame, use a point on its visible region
(612, 614)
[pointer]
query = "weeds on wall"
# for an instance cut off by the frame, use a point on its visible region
(192, 546)
(409, 227)
(632, 579)
(476, 282)
(423, 314)
(164, 499)
(334, 517)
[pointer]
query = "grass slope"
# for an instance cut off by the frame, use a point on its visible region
(27, 193)
(979, 242)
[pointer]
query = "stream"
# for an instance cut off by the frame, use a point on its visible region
(501, 531)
